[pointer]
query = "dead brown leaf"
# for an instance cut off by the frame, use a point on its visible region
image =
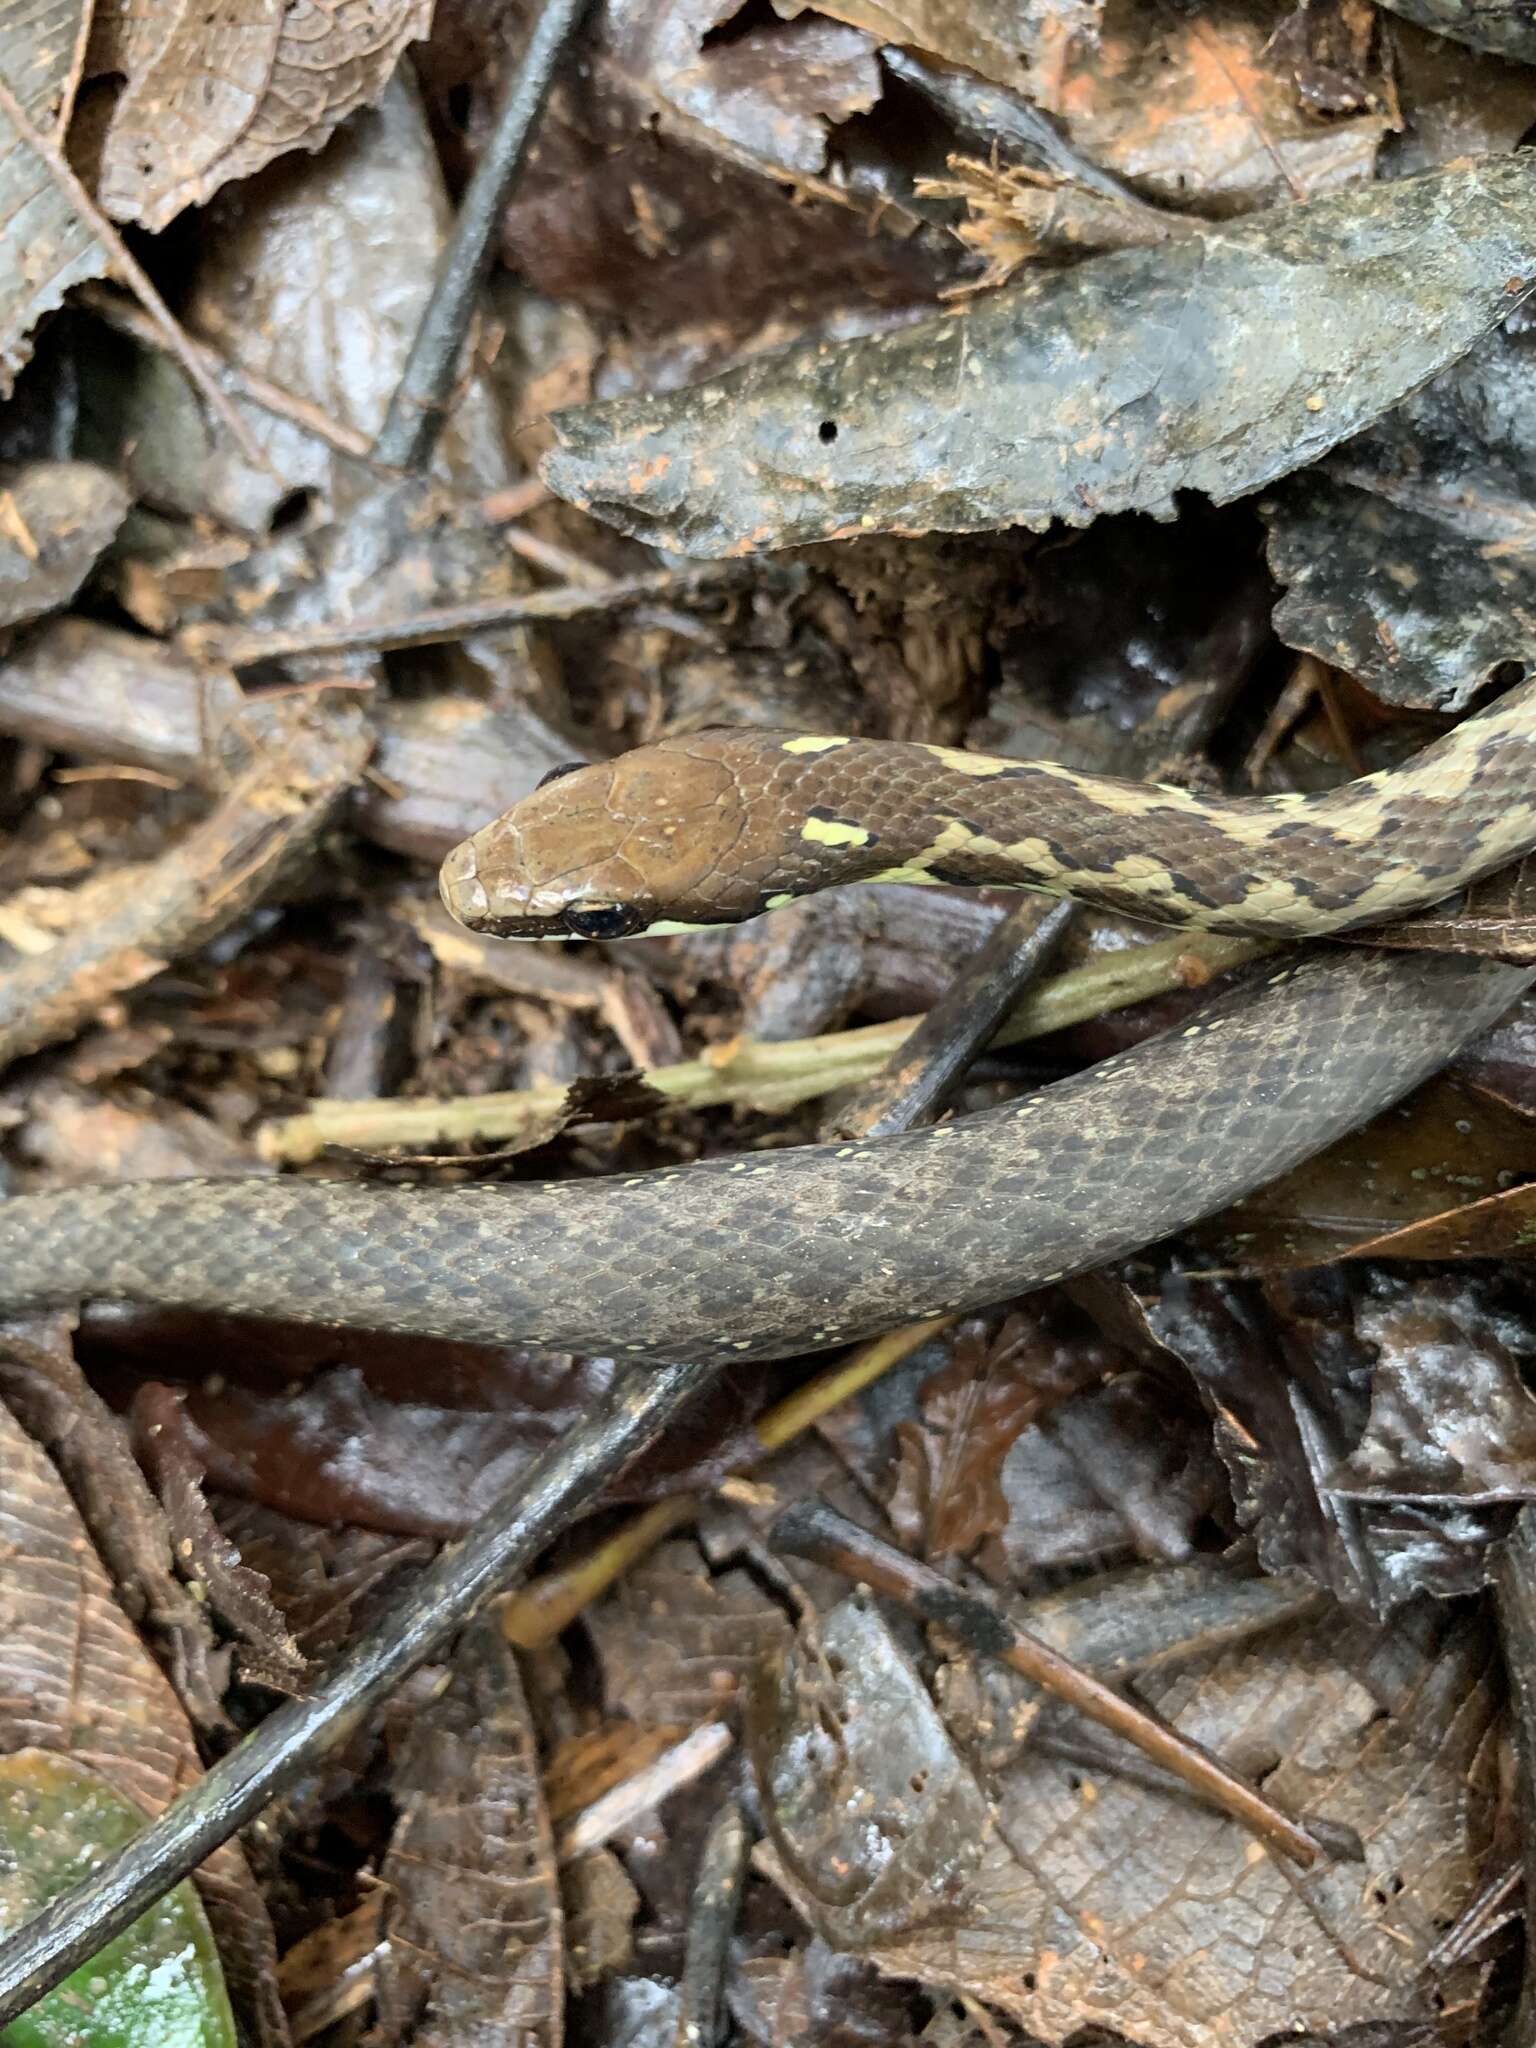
(1194, 109)
(675, 1642)
(474, 1930)
(1067, 1902)
(1021, 46)
(947, 1492)
(218, 88)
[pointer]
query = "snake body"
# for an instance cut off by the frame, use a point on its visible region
(797, 1250)
(790, 1251)
(721, 825)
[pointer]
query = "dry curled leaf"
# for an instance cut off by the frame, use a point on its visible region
(1203, 365)
(1067, 1903)
(45, 246)
(216, 91)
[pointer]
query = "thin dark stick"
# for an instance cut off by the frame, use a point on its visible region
(1514, 1583)
(817, 1532)
(420, 402)
(711, 1922)
(439, 623)
(913, 1087)
(71, 1928)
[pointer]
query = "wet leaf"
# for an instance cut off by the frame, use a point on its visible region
(158, 1981)
(670, 136)
(215, 92)
(1203, 366)
(947, 1489)
(1503, 26)
(55, 520)
(1445, 1142)
(474, 1928)
(45, 247)
(1117, 1469)
(1501, 1226)
(1408, 559)
(76, 1681)
(1451, 1415)
(351, 1443)
(1065, 1902)
(1375, 1426)
(676, 1642)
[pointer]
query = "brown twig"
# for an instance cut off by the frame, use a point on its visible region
(711, 1922)
(130, 272)
(813, 1531)
(299, 764)
(439, 623)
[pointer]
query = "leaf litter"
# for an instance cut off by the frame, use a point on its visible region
(1242, 1475)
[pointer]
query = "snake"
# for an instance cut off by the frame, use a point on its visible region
(801, 1249)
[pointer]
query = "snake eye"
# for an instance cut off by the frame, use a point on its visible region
(603, 920)
(554, 774)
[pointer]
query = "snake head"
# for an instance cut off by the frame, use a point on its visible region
(643, 843)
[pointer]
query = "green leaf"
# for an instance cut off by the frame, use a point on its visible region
(160, 1981)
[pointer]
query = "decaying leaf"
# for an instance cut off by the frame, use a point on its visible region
(215, 91)
(45, 247)
(947, 1492)
(1451, 1416)
(675, 1642)
(1067, 1903)
(75, 1680)
(1501, 1226)
(1446, 1143)
(1503, 26)
(1409, 556)
(1376, 1428)
(157, 1981)
(669, 136)
(1116, 1469)
(345, 245)
(1199, 109)
(474, 1926)
(1212, 365)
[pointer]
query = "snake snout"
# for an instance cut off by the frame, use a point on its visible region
(463, 893)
